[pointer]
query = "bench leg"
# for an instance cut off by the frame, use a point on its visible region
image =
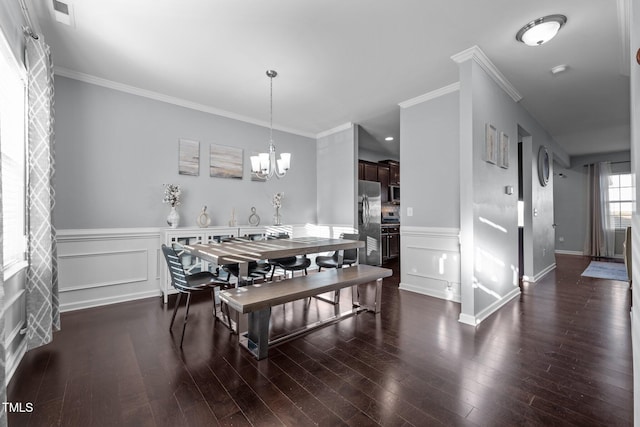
(358, 299)
(258, 333)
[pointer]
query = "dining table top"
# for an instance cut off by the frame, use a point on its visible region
(240, 250)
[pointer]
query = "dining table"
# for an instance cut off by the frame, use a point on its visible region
(242, 251)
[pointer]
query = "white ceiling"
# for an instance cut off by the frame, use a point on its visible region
(352, 61)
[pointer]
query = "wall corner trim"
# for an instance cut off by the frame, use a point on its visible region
(540, 275)
(430, 95)
(467, 319)
(476, 54)
(475, 320)
(336, 129)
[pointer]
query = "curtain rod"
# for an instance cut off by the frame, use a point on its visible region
(27, 29)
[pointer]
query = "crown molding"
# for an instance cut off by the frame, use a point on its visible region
(485, 63)
(624, 18)
(430, 95)
(336, 129)
(98, 81)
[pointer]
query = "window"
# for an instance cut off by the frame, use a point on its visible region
(620, 200)
(13, 157)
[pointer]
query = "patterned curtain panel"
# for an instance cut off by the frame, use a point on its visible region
(43, 316)
(3, 389)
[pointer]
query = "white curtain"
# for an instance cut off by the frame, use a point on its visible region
(43, 316)
(600, 240)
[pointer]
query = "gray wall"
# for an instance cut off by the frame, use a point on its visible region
(337, 178)
(429, 162)
(374, 156)
(489, 232)
(570, 194)
(114, 151)
(11, 22)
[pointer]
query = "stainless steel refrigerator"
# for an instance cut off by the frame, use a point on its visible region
(369, 210)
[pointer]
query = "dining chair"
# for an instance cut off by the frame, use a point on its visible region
(349, 258)
(255, 268)
(291, 263)
(190, 283)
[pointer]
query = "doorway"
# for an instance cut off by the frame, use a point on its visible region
(520, 214)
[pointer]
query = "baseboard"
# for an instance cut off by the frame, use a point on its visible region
(12, 363)
(540, 275)
(467, 319)
(475, 320)
(450, 296)
(108, 300)
(563, 252)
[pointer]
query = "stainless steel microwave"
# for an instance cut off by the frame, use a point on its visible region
(394, 194)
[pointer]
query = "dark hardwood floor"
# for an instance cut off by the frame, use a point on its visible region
(558, 355)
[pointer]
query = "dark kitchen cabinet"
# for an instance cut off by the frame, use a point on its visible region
(367, 171)
(390, 237)
(383, 179)
(394, 173)
(386, 173)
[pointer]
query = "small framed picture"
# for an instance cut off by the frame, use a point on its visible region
(189, 157)
(503, 155)
(490, 144)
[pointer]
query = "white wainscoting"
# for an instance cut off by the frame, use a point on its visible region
(105, 266)
(430, 261)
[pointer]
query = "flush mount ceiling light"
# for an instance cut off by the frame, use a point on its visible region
(265, 165)
(541, 30)
(389, 138)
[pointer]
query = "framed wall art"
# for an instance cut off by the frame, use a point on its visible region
(490, 144)
(225, 161)
(503, 154)
(188, 157)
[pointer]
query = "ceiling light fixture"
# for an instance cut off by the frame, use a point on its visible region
(265, 165)
(389, 138)
(541, 30)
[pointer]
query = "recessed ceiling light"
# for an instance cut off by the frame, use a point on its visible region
(541, 30)
(559, 69)
(389, 138)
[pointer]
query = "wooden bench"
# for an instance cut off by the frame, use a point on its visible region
(257, 300)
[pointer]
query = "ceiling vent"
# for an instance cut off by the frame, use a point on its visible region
(63, 12)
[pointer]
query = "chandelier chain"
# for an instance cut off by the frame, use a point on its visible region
(271, 109)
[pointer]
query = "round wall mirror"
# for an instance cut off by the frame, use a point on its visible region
(543, 166)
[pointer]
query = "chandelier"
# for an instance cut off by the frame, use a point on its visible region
(265, 165)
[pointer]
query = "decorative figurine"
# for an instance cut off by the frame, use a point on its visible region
(254, 219)
(232, 221)
(203, 219)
